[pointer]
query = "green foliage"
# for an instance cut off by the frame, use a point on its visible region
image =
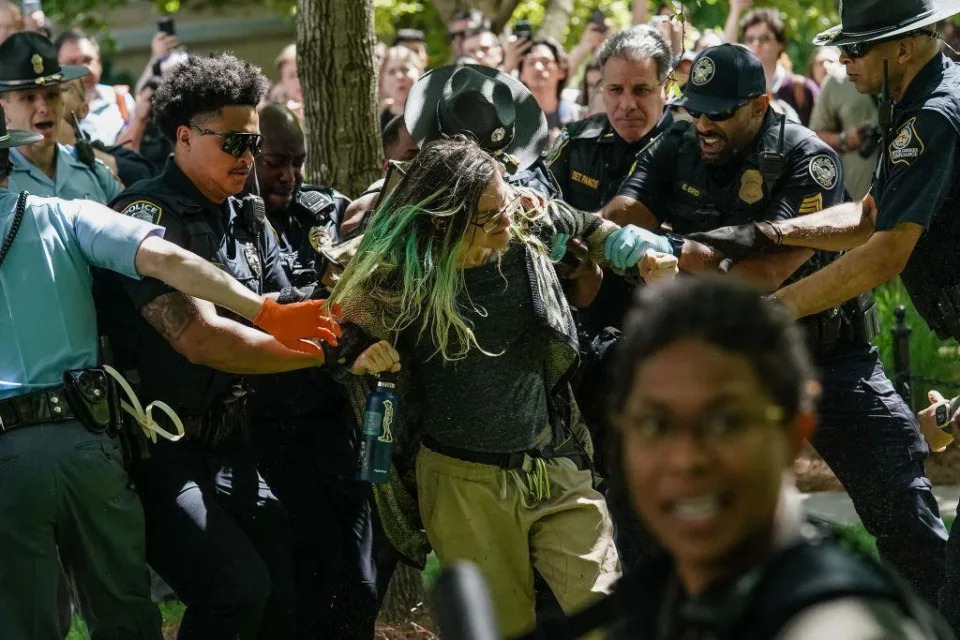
(930, 357)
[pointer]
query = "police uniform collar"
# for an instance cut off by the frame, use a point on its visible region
(926, 79)
(181, 184)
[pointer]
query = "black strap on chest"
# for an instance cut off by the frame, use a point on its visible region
(15, 226)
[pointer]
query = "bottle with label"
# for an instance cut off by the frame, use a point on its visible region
(376, 437)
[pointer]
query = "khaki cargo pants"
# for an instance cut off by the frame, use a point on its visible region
(508, 522)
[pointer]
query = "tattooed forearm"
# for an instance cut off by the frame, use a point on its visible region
(170, 314)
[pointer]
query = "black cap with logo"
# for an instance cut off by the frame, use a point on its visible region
(723, 78)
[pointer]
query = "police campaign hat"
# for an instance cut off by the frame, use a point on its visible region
(15, 137)
(495, 109)
(869, 20)
(28, 60)
(723, 78)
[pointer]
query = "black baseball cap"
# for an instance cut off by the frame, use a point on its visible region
(723, 78)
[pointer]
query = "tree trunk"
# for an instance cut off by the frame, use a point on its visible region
(335, 41)
(405, 600)
(555, 19)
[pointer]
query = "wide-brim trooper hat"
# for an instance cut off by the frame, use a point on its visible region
(869, 20)
(28, 60)
(723, 78)
(15, 137)
(498, 111)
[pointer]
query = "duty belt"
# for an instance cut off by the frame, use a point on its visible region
(38, 407)
(507, 461)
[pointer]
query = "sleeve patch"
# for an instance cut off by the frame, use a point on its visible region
(907, 146)
(143, 210)
(811, 204)
(824, 171)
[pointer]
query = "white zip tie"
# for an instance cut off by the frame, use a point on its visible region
(145, 417)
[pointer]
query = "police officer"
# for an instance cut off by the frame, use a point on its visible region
(215, 531)
(305, 439)
(30, 79)
(908, 224)
(739, 163)
(66, 496)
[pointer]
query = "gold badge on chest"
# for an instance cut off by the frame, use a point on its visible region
(751, 186)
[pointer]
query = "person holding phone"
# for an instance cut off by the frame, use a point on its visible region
(110, 107)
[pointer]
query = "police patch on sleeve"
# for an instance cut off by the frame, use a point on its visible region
(907, 146)
(824, 171)
(143, 210)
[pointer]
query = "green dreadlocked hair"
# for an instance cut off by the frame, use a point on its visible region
(407, 262)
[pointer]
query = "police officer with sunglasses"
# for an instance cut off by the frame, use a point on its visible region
(740, 163)
(215, 530)
(909, 223)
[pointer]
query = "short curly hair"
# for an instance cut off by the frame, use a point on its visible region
(203, 86)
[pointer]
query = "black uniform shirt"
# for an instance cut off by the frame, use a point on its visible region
(589, 160)
(670, 179)
(215, 233)
(311, 207)
(918, 182)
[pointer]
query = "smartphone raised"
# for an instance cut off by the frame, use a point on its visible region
(167, 26)
(523, 30)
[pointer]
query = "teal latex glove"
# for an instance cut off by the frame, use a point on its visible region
(625, 246)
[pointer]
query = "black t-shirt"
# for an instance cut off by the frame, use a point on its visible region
(212, 231)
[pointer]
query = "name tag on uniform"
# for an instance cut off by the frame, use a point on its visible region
(576, 176)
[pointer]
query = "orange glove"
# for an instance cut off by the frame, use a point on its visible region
(293, 324)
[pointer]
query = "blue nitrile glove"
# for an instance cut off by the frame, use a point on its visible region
(559, 246)
(625, 246)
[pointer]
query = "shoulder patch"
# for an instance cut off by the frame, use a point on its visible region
(824, 171)
(557, 149)
(143, 210)
(907, 146)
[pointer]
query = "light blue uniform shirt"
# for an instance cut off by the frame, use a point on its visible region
(48, 323)
(75, 180)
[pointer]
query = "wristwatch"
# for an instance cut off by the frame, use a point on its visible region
(843, 142)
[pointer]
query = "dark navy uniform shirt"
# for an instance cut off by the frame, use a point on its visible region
(918, 182)
(670, 179)
(311, 207)
(589, 160)
(216, 233)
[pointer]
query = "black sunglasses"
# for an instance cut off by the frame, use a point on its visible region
(722, 116)
(235, 143)
(860, 49)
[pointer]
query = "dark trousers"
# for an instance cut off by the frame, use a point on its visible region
(330, 514)
(64, 496)
(219, 537)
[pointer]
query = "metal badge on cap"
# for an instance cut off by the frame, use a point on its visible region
(703, 72)
(37, 62)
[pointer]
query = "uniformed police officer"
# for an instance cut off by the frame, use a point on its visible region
(305, 440)
(737, 163)
(30, 79)
(908, 224)
(65, 492)
(215, 531)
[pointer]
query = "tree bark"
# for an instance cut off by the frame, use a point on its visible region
(555, 19)
(406, 600)
(335, 61)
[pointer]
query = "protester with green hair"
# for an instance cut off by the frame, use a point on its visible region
(455, 270)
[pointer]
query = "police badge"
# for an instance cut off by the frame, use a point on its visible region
(253, 260)
(751, 186)
(37, 63)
